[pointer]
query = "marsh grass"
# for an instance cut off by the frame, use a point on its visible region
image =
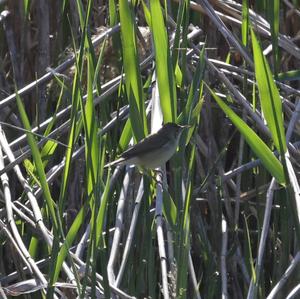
(221, 218)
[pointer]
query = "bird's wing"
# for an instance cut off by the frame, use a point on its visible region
(153, 142)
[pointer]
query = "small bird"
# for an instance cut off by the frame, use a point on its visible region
(154, 150)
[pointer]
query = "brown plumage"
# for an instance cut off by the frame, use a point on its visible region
(154, 150)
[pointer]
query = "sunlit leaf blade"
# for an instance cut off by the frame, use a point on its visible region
(48, 151)
(146, 13)
(133, 81)
(125, 136)
(113, 17)
(260, 149)
(245, 22)
(100, 220)
(72, 233)
(195, 117)
(194, 92)
(91, 140)
(92, 157)
(75, 129)
(30, 169)
(26, 7)
(50, 146)
(184, 230)
(164, 70)
(269, 96)
(169, 209)
(38, 162)
(180, 42)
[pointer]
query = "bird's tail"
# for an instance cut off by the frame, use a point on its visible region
(116, 162)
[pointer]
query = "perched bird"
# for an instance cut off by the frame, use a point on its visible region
(154, 150)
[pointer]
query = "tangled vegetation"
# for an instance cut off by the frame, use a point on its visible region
(81, 81)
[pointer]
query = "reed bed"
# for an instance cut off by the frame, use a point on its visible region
(81, 81)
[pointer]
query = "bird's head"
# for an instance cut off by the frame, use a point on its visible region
(173, 130)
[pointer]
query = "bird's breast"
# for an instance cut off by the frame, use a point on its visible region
(157, 157)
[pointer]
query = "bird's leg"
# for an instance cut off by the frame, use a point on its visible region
(158, 172)
(162, 179)
(152, 174)
(148, 173)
